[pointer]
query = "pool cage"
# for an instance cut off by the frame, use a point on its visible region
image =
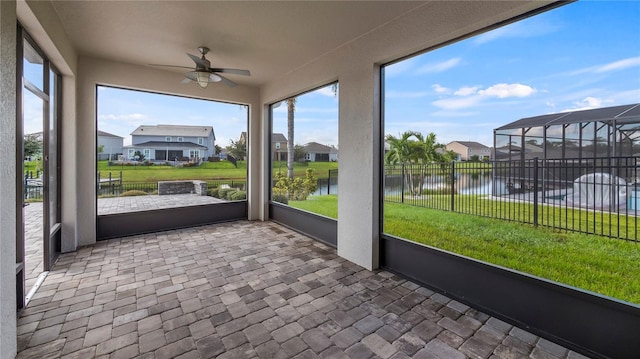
(588, 158)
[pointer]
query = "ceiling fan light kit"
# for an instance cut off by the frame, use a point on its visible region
(203, 74)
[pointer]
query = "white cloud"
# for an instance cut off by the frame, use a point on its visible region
(588, 103)
(619, 65)
(327, 91)
(611, 66)
(466, 91)
(439, 66)
(508, 90)
(440, 89)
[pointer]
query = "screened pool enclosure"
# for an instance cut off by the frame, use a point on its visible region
(587, 159)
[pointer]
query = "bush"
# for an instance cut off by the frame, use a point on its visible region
(238, 196)
(280, 197)
(213, 192)
(297, 189)
(230, 193)
(222, 193)
(132, 193)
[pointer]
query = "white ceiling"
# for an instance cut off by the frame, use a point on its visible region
(268, 38)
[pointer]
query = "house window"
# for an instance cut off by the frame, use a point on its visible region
(167, 139)
(147, 153)
(277, 145)
(200, 140)
(194, 153)
(180, 139)
(131, 152)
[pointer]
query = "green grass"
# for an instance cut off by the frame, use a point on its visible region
(324, 205)
(207, 171)
(598, 264)
(599, 223)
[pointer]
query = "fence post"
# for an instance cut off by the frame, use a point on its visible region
(402, 188)
(111, 183)
(453, 185)
(535, 191)
(26, 186)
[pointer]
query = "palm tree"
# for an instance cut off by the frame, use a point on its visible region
(403, 150)
(291, 108)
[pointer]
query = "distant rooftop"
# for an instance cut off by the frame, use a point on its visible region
(173, 130)
(618, 114)
(470, 144)
(107, 134)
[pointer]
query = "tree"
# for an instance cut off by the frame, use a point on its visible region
(291, 108)
(138, 156)
(217, 150)
(237, 149)
(299, 153)
(32, 146)
(403, 150)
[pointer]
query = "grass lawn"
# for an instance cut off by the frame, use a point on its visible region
(207, 171)
(598, 264)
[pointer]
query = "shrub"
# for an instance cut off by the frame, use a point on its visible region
(280, 197)
(230, 193)
(222, 193)
(154, 192)
(213, 192)
(238, 195)
(297, 189)
(132, 193)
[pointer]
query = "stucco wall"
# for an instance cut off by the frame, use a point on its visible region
(8, 179)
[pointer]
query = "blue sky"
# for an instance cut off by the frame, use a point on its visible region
(580, 56)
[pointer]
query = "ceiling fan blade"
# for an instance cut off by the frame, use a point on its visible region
(226, 81)
(231, 71)
(198, 61)
(191, 76)
(181, 67)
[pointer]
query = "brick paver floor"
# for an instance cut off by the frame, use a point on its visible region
(34, 251)
(144, 203)
(249, 290)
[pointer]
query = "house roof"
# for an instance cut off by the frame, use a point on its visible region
(618, 114)
(315, 147)
(173, 130)
(162, 144)
(471, 144)
(278, 137)
(107, 134)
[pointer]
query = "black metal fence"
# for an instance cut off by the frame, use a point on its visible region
(595, 196)
(328, 185)
(33, 186)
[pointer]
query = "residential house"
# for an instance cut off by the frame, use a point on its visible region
(171, 142)
(278, 146)
(316, 152)
(467, 149)
(109, 146)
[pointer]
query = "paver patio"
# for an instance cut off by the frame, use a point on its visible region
(244, 290)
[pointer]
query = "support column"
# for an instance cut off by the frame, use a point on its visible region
(8, 177)
(358, 182)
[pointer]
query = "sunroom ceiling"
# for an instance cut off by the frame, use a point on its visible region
(269, 38)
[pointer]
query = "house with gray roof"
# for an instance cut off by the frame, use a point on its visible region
(468, 149)
(172, 142)
(316, 152)
(110, 145)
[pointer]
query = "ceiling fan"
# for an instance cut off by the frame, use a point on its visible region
(203, 74)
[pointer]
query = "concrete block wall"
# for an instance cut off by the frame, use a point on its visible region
(182, 187)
